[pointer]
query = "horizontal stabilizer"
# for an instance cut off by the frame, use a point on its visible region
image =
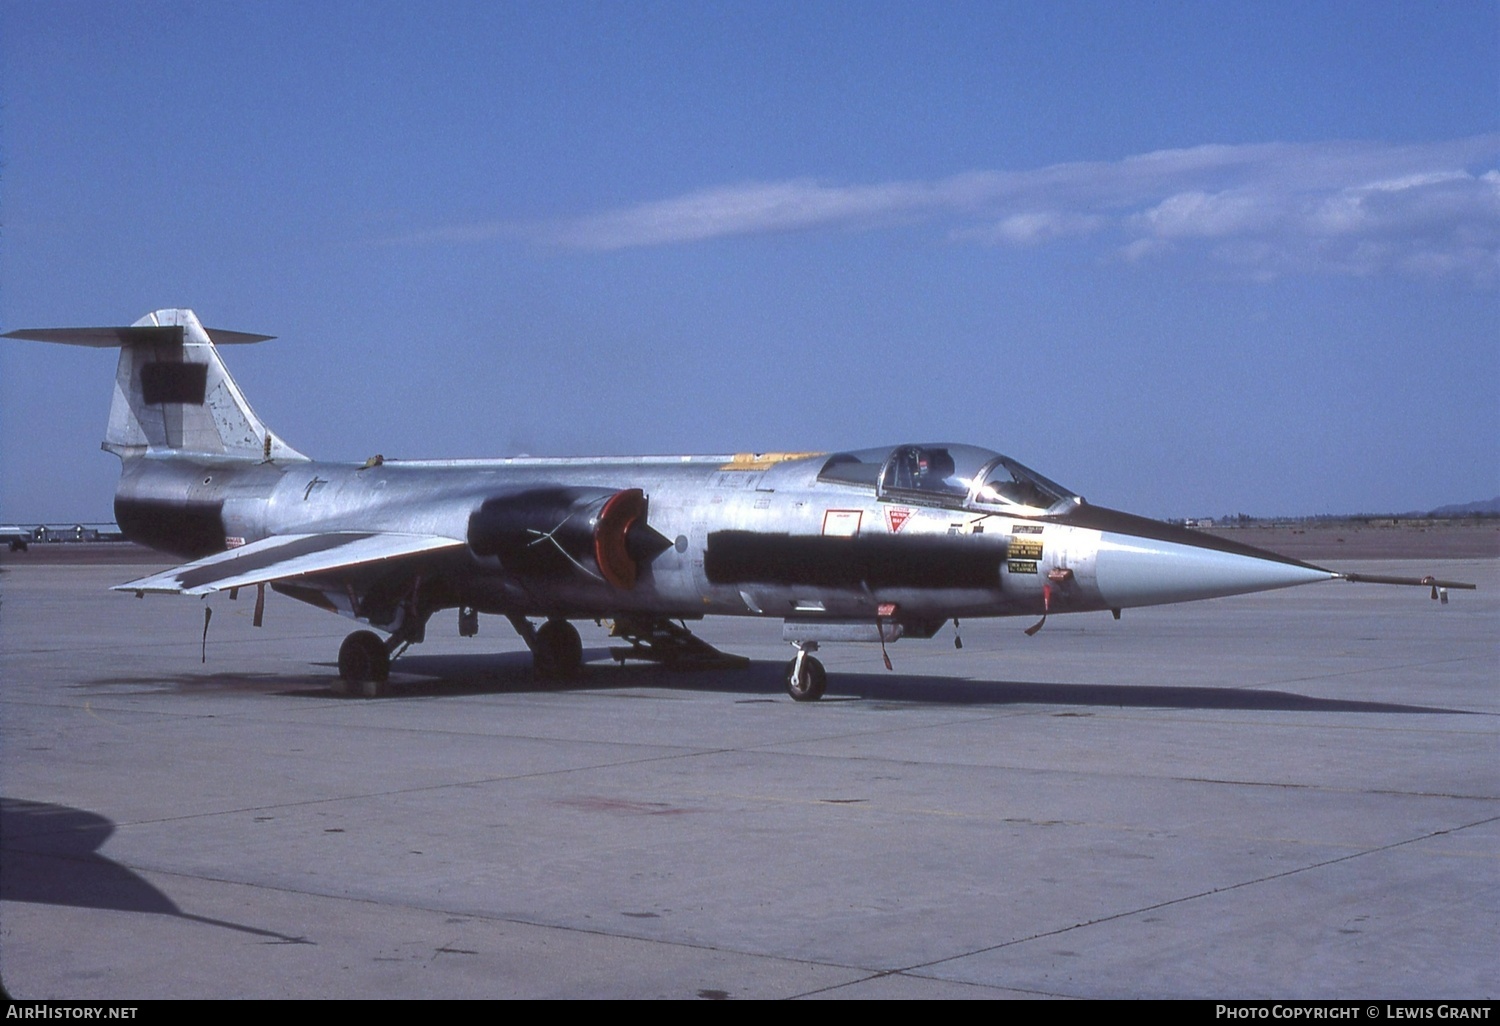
(173, 393)
(285, 556)
(148, 334)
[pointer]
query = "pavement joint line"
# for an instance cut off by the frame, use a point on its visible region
(609, 934)
(870, 807)
(1477, 731)
(771, 747)
(363, 796)
(1116, 775)
(859, 808)
(1319, 789)
(888, 973)
(488, 917)
(1201, 894)
(1377, 667)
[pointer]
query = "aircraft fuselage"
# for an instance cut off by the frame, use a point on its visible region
(865, 545)
(739, 536)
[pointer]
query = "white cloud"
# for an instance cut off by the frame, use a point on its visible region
(1428, 209)
(1034, 228)
(1209, 215)
(750, 209)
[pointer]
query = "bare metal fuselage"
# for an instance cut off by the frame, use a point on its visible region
(189, 507)
(737, 538)
(867, 545)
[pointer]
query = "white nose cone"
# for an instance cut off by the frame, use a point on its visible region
(1135, 571)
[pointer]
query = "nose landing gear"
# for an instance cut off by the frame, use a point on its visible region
(806, 680)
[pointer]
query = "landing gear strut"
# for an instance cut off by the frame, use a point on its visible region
(669, 644)
(806, 679)
(365, 659)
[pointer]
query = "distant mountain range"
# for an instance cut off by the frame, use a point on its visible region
(1482, 508)
(1467, 509)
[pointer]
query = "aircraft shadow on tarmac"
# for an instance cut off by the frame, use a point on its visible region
(51, 857)
(510, 673)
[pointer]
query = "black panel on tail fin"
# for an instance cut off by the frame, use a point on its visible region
(174, 383)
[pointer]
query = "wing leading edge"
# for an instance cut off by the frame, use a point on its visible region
(286, 556)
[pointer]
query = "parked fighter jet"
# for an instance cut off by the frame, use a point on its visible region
(871, 545)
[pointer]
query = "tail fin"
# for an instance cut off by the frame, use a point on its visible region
(172, 392)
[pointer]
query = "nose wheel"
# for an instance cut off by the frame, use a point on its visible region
(806, 679)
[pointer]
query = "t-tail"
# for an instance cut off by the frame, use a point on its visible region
(172, 392)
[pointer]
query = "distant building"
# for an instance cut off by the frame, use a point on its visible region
(18, 538)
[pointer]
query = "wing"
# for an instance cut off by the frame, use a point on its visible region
(285, 556)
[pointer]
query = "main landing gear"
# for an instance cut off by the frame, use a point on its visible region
(365, 659)
(669, 644)
(364, 665)
(556, 648)
(806, 680)
(557, 654)
(559, 650)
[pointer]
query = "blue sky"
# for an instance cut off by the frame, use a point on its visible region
(1186, 258)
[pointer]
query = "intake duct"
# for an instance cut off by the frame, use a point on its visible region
(556, 532)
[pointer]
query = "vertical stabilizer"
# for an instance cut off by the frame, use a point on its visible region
(172, 392)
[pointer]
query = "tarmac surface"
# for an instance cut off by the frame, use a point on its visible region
(1291, 794)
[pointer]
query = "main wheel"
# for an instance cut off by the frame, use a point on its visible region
(807, 686)
(559, 650)
(364, 664)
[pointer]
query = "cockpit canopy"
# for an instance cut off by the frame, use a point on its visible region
(953, 476)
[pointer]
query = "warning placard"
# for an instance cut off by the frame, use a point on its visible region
(1025, 548)
(842, 523)
(897, 516)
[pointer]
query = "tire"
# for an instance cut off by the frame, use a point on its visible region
(364, 664)
(559, 650)
(809, 685)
